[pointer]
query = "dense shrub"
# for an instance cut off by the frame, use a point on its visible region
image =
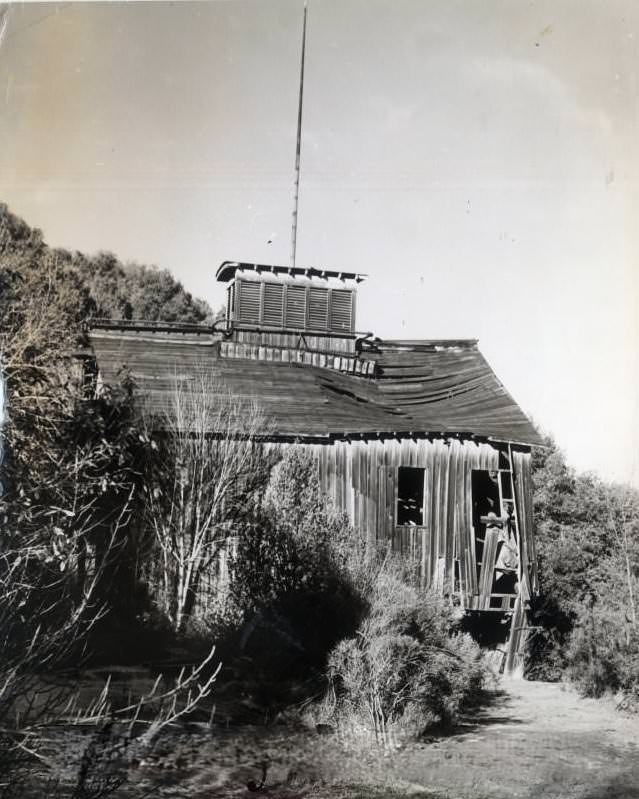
(406, 668)
(291, 586)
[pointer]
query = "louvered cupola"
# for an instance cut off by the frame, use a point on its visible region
(289, 299)
(290, 314)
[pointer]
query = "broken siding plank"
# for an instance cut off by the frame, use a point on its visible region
(394, 463)
(391, 491)
(404, 452)
(340, 495)
(356, 487)
(447, 543)
(332, 470)
(382, 524)
(516, 638)
(324, 451)
(349, 482)
(468, 532)
(454, 512)
(439, 576)
(366, 488)
(414, 454)
(442, 505)
(487, 572)
(451, 548)
(374, 482)
(372, 459)
(427, 451)
(363, 477)
(435, 503)
(471, 576)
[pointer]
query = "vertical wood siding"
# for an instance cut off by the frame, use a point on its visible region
(361, 476)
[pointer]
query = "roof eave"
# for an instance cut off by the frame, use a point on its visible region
(226, 271)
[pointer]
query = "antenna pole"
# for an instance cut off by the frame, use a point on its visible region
(298, 148)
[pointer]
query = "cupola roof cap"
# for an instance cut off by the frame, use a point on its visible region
(227, 270)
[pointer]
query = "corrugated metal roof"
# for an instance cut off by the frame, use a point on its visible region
(419, 387)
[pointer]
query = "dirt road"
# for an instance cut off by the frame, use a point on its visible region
(536, 740)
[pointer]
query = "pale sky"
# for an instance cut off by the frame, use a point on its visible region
(479, 160)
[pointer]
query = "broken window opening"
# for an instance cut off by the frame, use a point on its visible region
(485, 495)
(410, 496)
(493, 518)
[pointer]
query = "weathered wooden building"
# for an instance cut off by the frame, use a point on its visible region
(417, 440)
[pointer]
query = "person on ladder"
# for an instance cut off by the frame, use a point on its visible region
(507, 562)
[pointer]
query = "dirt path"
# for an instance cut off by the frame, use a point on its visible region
(536, 740)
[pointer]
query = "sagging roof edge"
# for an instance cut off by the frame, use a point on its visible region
(331, 438)
(515, 403)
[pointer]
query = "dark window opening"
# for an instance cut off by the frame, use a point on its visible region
(485, 493)
(410, 496)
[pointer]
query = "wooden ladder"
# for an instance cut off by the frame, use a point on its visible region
(489, 571)
(514, 518)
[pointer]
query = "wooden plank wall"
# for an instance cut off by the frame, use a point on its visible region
(361, 478)
(274, 338)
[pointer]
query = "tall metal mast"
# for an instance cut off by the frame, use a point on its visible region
(296, 194)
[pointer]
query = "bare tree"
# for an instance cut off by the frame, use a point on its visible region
(205, 466)
(44, 627)
(43, 624)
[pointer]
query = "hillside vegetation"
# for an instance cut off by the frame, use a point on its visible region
(66, 288)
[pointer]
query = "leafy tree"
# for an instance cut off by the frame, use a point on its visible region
(134, 291)
(587, 534)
